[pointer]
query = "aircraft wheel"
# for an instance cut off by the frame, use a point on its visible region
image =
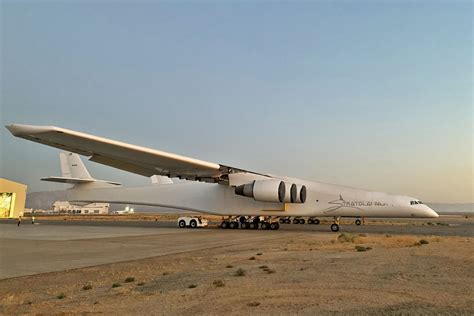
(182, 224)
(302, 221)
(264, 226)
(193, 223)
(296, 221)
(274, 226)
(282, 220)
(253, 225)
(233, 225)
(310, 221)
(244, 225)
(335, 227)
(224, 225)
(287, 221)
(316, 221)
(358, 222)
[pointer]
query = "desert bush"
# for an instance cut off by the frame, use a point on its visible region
(192, 286)
(362, 248)
(263, 267)
(115, 285)
(61, 296)
(218, 283)
(252, 258)
(240, 272)
(229, 266)
(253, 304)
(141, 283)
(165, 273)
(87, 287)
(259, 254)
(129, 279)
(416, 244)
(345, 237)
(270, 271)
(424, 242)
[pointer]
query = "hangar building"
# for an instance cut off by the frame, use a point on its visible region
(12, 199)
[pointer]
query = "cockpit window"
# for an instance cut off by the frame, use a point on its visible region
(415, 202)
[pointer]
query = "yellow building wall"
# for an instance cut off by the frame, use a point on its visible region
(12, 199)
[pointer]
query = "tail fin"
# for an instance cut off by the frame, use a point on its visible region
(74, 171)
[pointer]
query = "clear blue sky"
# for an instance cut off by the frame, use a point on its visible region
(375, 95)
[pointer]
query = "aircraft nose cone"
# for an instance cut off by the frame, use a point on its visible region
(430, 212)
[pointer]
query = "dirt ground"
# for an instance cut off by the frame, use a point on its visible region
(320, 274)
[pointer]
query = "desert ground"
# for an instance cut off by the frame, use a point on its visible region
(387, 267)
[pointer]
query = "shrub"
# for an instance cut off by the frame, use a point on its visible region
(259, 254)
(270, 271)
(229, 266)
(129, 279)
(87, 287)
(424, 242)
(253, 304)
(115, 285)
(218, 283)
(192, 286)
(362, 248)
(141, 283)
(345, 237)
(252, 258)
(165, 273)
(416, 244)
(263, 267)
(61, 296)
(240, 272)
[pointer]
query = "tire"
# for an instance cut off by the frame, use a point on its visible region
(296, 221)
(182, 224)
(358, 222)
(316, 221)
(225, 225)
(335, 228)
(244, 225)
(274, 226)
(302, 221)
(233, 225)
(253, 225)
(310, 221)
(281, 220)
(193, 223)
(265, 225)
(287, 221)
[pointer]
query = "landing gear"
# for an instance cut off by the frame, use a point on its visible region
(253, 225)
(358, 222)
(182, 224)
(335, 225)
(316, 221)
(233, 225)
(265, 225)
(274, 226)
(193, 223)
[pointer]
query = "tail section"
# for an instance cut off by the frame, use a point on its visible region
(73, 171)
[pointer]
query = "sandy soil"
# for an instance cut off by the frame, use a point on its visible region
(306, 274)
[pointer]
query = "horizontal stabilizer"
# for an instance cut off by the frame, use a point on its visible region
(76, 180)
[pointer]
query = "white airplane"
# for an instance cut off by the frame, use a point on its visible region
(254, 199)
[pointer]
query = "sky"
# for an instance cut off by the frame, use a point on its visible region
(376, 95)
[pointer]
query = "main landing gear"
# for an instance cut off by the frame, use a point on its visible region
(248, 222)
(335, 225)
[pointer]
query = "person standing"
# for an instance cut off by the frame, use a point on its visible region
(19, 221)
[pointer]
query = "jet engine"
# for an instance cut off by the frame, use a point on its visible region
(273, 191)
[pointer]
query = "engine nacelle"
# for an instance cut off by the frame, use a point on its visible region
(298, 193)
(263, 190)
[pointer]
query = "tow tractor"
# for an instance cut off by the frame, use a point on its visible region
(193, 222)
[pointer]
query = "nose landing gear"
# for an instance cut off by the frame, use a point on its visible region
(335, 225)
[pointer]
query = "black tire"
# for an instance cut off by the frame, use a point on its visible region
(182, 224)
(310, 221)
(233, 225)
(316, 221)
(281, 220)
(244, 225)
(193, 223)
(296, 221)
(253, 225)
(242, 219)
(274, 226)
(225, 225)
(358, 222)
(302, 221)
(264, 225)
(335, 228)
(288, 221)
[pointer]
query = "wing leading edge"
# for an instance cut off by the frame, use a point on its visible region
(136, 159)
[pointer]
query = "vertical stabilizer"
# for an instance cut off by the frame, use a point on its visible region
(72, 166)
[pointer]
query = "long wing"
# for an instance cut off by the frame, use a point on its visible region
(136, 159)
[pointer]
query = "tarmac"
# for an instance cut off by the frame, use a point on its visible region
(49, 246)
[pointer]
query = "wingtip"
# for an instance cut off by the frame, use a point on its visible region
(20, 130)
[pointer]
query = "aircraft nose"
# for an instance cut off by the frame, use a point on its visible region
(430, 212)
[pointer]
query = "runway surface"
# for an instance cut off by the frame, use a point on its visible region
(60, 245)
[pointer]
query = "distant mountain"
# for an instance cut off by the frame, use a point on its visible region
(447, 208)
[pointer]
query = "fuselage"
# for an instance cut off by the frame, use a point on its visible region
(322, 200)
